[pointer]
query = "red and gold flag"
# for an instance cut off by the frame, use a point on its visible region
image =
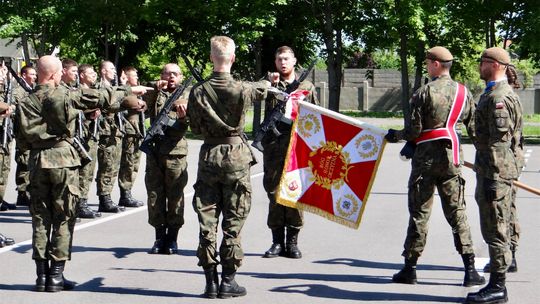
(331, 164)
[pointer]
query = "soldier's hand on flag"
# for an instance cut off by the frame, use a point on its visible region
(391, 136)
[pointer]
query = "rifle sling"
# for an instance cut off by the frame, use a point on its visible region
(215, 104)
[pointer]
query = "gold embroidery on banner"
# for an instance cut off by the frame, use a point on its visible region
(308, 125)
(366, 145)
(292, 188)
(324, 162)
(348, 207)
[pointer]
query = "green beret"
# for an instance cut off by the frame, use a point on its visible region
(498, 54)
(439, 53)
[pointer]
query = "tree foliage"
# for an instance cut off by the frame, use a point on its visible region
(149, 33)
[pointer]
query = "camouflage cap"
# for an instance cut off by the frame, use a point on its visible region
(439, 53)
(498, 54)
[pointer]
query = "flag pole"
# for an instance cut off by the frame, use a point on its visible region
(515, 182)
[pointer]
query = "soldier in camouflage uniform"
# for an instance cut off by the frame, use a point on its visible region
(275, 153)
(130, 157)
(434, 165)
(88, 78)
(497, 120)
(28, 74)
(110, 145)
(166, 168)
(71, 82)
(517, 148)
(216, 110)
(47, 121)
(5, 158)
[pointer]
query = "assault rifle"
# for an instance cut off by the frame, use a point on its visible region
(276, 115)
(162, 121)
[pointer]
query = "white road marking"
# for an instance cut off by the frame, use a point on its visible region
(102, 220)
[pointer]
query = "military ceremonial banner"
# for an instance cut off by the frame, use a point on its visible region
(331, 164)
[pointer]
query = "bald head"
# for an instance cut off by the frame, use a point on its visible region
(49, 70)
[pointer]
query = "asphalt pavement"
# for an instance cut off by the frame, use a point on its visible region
(110, 262)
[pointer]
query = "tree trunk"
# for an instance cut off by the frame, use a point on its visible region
(26, 51)
(419, 64)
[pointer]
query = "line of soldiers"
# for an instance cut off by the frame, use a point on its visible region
(495, 126)
(69, 104)
(215, 109)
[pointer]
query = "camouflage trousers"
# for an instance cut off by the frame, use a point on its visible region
(224, 192)
(54, 193)
(22, 175)
(86, 173)
(451, 191)
(109, 150)
(515, 228)
(275, 153)
(129, 161)
(494, 200)
(5, 166)
(165, 180)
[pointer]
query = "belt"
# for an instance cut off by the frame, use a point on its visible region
(47, 144)
(223, 140)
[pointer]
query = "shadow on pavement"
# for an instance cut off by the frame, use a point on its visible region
(96, 285)
(323, 291)
(383, 265)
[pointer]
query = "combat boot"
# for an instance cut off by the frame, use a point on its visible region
(107, 205)
(407, 275)
(278, 244)
(513, 266)
(6, 241)
(84, 211)
(127, 200)
(291, 246)
(171, 247)
(23, 199)
(55, 279)
(4, 206)
(212, 282)
(161, 234)
(493, 292)
(228, 287)
(471, 275)
(42, 270)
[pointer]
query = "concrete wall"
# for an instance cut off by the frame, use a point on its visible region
(380, 90)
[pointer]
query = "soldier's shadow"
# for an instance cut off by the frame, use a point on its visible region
(118, 252)
(324, 291)
(383, 265)
(97, 285)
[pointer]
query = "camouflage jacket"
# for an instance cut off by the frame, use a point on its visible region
(108, 121)
(271, 102)
(47, 121)
(430, 106)
(235, 97)
(498, 119)
(174, 142)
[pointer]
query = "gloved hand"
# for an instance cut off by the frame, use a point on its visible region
(391, 136)
(407, 152)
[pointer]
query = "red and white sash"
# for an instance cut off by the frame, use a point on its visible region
(449, 132)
